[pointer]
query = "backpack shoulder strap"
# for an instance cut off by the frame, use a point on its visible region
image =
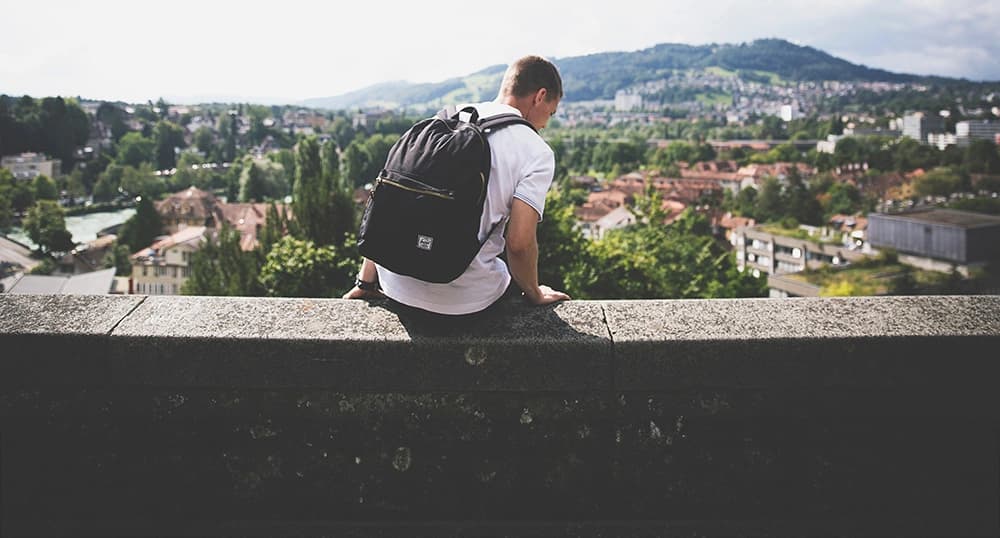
(494, 123)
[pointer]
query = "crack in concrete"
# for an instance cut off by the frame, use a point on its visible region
(611, 338)
(127, 314)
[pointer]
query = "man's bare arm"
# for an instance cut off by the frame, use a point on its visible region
(368, 273)
(522, 254)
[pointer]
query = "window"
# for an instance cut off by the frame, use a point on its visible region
(796, 252)
(143, 270)
(175, 273)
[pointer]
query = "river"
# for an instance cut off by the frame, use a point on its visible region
(83, 227)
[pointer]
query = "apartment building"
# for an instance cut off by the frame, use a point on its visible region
(28, 165)
(163, 267)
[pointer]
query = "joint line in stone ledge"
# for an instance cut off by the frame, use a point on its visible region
(129, 313)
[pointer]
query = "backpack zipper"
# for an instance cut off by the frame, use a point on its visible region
(428, 191)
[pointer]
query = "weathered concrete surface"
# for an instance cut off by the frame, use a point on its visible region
(837, 342)
(288, 417)
(57, 339)
(354, 345)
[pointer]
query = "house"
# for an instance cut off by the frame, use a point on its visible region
(198, 208)
(591, 216)
(725, 173)
(729, 223)
(163, 267)
(87, 257)
(753, 175)
(28, 165)
(190, 207)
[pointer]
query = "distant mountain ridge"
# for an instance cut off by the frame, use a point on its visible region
(599, 76)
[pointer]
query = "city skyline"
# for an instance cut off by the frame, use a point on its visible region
(197, 52)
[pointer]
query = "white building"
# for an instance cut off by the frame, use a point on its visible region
(29, 165)
(918, 125)
(626, 101)
(163, 267)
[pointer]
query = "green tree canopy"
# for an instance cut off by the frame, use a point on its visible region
(44, 188)
(168, 137)
(135, 149)
(46, 226)
(263, 179)
(937, 182)
(143, 227)
(221, 267)
(300, 268)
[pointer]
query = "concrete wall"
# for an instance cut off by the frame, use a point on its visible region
(152, 416)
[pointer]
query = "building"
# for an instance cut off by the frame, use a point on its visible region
(89, 256)
(163, 267)
(626, 101)
(967, 131)
(938, 239)
(762, 251)
(28, 165)
(942, 140)
(195, 207)
(93, 283)
(918, 125)
(190, 207)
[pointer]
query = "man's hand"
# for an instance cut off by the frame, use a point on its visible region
(546, 295)
(358, 293)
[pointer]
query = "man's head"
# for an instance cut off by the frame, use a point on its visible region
(533, 86)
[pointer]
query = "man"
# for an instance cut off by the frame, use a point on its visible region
(522, 167)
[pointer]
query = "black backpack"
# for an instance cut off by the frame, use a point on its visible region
(422, 217)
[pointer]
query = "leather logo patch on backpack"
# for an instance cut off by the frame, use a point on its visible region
(425, 242)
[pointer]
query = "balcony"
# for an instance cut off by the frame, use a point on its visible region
(152, 416)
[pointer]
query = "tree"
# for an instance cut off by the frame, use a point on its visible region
(46, 226)
(300, 268)
(770, 206)
(937, 182)
(844, 199)
(981, 157)
(253, 186)
(119, 258)
(221, 267)
(169, 137)
(275, 179)
(44, 188)
(324, 212)
(135, 149)
(143, 227)
(141, 181)
(204, 140)
(355, 164)
(6, 210)
(652, 261)
(799, 203)
(562, 250)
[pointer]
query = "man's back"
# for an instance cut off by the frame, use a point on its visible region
(522, 166)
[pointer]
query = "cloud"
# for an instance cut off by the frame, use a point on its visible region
(300, 49)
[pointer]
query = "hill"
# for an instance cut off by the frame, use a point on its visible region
(599, 76)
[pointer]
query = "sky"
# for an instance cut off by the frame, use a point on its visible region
(189, 51)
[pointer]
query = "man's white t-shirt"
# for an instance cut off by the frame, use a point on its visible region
(522, 167)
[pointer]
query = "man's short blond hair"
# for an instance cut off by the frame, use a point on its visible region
(530, 74)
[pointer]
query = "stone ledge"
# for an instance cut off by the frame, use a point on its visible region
(219, 342)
